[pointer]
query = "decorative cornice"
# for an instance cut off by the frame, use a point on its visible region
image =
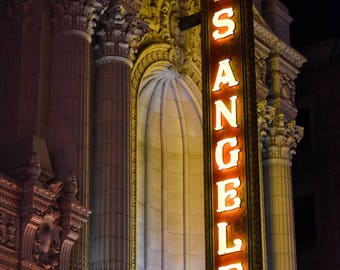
(119, 34)
(77, 17)
(265, 36)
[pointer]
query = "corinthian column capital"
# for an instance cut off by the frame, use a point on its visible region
(119, 34)
(282, 139)
(265, 116)
(77, 16)
(14, 14)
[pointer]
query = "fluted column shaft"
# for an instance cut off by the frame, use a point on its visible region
(68, 139)
(111, 168)
(109, 232)
(280, 138)
(279, 214)
(69, 108)
(69, 115)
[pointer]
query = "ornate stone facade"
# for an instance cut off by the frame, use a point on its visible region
(82, 77)
(39, 222)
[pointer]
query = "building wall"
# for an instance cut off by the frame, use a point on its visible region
(114, 92)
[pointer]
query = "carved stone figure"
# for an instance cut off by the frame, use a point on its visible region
(71, 186)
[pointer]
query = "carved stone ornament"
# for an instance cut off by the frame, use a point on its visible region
(15, 14)
(47, 244)
(118, 34)
(70, 186)
(282, 139)
(8, 230)
(163, 20)
(34, 169)
(265, 116)
(77, 16)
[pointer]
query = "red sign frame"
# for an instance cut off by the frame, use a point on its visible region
(231, 164)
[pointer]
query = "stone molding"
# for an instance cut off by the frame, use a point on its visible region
(76, 17)
(108, 59)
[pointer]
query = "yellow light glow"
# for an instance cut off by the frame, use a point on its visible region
(222, 240)
(237, 266)
(219, 157)
(224, 75)
(222, 194)
(230, 116)
(225, 23)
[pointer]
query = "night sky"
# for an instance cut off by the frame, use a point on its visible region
(313, 20)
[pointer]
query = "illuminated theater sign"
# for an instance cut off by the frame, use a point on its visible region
(229, 180)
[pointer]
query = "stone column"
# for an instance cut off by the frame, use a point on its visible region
(109, 243)
(68, 138)
(278, 147)
(265, 114)
(16, 19)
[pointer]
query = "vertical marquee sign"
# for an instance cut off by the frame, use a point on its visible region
(231, 164)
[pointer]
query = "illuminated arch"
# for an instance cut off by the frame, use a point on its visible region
(169, 182)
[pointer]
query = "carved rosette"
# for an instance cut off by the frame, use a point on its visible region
(71, 16)
(119, 34)
(282, 139)
(15, 14)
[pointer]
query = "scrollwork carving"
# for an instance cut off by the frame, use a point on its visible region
(47, 244)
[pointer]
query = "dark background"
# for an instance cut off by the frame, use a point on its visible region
(313, 20)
